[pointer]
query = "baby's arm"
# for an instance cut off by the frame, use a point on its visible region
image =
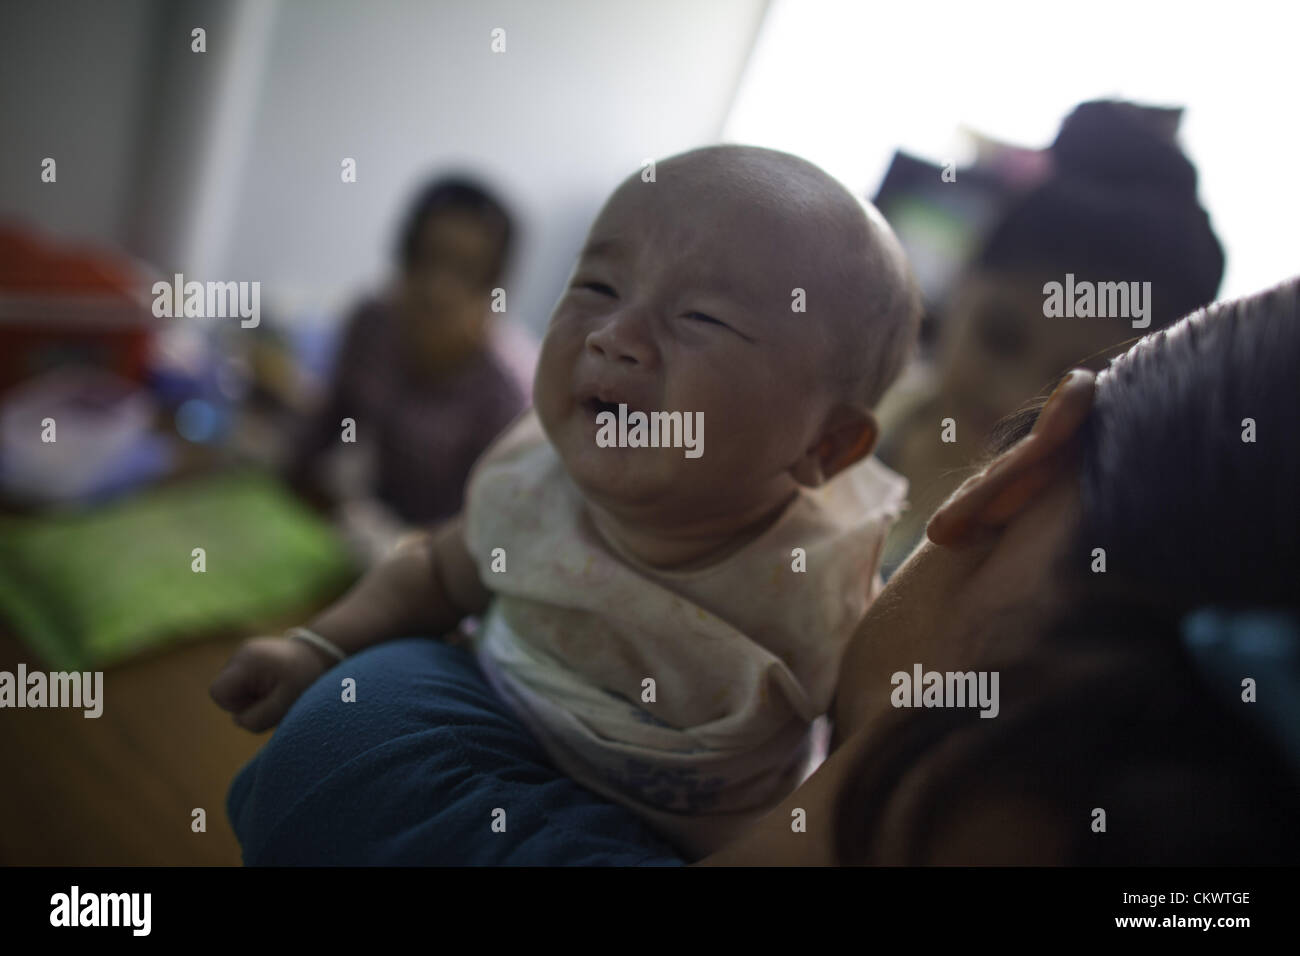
(426, 586)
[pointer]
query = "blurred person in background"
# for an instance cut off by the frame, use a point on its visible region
(417, 373)
(1119, 206)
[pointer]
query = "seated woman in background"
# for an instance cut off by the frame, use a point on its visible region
(1120, 206)
(1129, 569)
(417, 374)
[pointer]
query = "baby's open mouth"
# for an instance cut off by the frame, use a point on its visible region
(595, 406)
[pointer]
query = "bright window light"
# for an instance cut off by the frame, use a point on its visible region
(844, 83)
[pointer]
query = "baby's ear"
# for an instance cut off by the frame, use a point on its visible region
(849, 436)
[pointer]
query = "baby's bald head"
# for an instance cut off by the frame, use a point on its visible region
(742, 286)
(861, 299)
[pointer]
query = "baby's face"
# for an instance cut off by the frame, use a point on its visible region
(682, 301)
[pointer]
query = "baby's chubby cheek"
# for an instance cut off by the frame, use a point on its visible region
(553, 380)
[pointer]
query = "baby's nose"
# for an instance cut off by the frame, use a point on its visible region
(623, 337)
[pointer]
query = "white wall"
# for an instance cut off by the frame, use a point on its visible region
(584, 91)
(225, 165)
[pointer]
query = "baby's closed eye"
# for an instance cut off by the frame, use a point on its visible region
(599, 287)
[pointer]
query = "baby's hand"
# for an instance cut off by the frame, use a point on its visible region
(263, 679)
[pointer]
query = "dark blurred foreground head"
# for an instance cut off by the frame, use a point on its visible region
(1113, 709)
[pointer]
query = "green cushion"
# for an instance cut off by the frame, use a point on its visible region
(88, 589)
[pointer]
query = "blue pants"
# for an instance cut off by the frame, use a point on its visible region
(425, 767)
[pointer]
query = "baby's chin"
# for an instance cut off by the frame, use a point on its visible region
(624, 477)
(630, 473)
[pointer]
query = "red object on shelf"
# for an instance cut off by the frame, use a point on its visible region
(62, 304)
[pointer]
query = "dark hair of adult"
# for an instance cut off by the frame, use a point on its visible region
(1109, 710)
(1121, 205)
(455, 194)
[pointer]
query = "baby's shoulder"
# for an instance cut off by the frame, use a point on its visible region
(522, 438)
(519, 492)
(514, 471)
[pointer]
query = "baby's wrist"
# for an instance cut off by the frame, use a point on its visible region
(327, 651)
